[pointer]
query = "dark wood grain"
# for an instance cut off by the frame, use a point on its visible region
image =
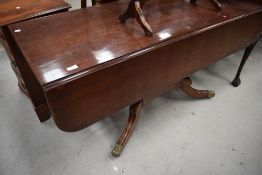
(113, 66)
(12, 11)
(33, 88)
(97, 41)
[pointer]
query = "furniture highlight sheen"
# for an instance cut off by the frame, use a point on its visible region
(13, 11)
(86, 69)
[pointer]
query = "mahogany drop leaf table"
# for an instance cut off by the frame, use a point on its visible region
(86, 65)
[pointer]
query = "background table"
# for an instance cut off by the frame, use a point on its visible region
(12, 11)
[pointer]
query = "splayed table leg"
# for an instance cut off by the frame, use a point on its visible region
(134, 113)
(188, 90)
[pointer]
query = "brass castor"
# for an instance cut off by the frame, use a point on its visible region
(211, 94)
(117, 150)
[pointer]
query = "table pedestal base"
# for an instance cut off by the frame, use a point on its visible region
(135, 110)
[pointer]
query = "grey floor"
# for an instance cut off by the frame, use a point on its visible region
(176, 134)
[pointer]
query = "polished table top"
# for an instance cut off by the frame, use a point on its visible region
(12, 11)
(63, 47)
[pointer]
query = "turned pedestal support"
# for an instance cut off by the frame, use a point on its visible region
(135, 109)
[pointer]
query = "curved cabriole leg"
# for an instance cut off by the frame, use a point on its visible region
(134, 112)
(134, 10)
(236, 82)
(188, 90)
(140, 18)
(214, 2)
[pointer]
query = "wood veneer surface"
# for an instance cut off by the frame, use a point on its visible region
(92, 38)
(12, 11)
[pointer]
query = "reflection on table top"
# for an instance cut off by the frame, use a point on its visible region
(78, 42)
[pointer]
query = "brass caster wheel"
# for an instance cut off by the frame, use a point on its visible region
(211, 94)
(117, 150)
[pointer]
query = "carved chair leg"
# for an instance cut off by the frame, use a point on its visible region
(236, 82)
(188, 90)
(134, 112)
(83, 3)
(216, 3)
(140, 18)
(134, 10)
(130, 13)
